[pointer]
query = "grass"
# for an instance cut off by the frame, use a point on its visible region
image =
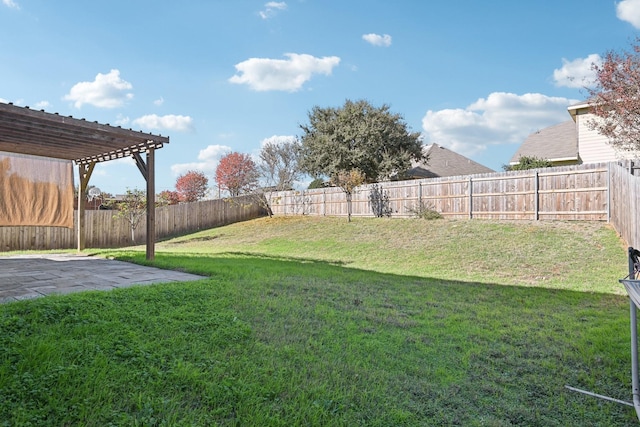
(314, 321)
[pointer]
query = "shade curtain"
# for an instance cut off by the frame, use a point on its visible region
(35, 191)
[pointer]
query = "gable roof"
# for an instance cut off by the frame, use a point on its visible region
(556, 143)
(444, 162)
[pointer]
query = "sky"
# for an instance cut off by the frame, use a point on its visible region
(476, 77)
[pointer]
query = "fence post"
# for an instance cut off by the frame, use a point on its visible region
(419, 194)
(470, 197)
(609, 192)
(324, 202)
(537, 196)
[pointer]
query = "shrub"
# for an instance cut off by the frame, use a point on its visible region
(425, 210)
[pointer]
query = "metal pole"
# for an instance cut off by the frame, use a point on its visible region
(634, 340)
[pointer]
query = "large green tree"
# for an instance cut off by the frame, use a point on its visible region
(359, 136)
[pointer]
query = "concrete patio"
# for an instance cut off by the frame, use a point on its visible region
(33, 276)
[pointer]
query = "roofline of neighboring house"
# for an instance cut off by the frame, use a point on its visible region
(582, 104)
(573, 109)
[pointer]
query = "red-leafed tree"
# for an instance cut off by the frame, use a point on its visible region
(168, 197)
(192, 186)
(237, 174)
(615, 99)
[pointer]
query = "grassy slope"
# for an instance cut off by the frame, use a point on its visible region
(564, 255)
(313, 321)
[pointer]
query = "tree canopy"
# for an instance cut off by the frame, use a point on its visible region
(615, 99)
(192, 186)
(359, 136)
(237, 174)
(279, 163)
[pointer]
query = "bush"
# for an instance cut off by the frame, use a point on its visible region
(316, 183)
(425, 210)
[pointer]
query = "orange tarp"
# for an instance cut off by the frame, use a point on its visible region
(35, 191)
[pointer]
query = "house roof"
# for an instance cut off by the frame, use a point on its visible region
(444, 162)
(39, 133)
(555, 143)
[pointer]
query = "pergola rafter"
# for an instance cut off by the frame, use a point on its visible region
(27, 131)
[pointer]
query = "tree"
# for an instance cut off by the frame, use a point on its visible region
(348, 181)
(279, 163)
(133, 208)
(615, 98)
(528, 162)
(358, 136)
(316, 183)
(237, 174)
(191, 186)
(168, 197)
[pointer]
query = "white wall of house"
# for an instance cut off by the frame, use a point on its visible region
(592, 147)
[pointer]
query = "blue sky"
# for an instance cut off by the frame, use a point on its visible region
(220, 76)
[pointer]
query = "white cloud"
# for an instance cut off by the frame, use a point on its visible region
(271, 8)
(263, 74)
(377, 39)
(168, 122)
(42, 105)
(577, 73)
(106, 91)
(501, 118)
(208, 161)
(278, 139)
(122, 120)
(11, 4)
(629, 10)
(159, 101)
(6, 101)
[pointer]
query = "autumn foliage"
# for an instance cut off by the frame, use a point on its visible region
(169, 197)
(237, 174)
(191, 186)
(615, 100)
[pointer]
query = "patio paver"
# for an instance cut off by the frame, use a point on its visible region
(33, 276)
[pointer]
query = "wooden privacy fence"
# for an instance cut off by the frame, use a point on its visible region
(562, 193)
(102, 230)
(625, 206)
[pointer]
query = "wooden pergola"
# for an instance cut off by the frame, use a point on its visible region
(38, 133)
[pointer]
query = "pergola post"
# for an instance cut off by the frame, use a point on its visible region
(147, 169)
(151, 205)
(84, 173)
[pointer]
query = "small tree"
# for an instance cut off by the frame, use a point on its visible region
(278, 164)
(191, 186)
(168, 197)
(133, 209)
(278, 169)
(348, 181)
(237, 174)
(528, 162)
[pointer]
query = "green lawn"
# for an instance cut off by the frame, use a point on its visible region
(316, 321)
